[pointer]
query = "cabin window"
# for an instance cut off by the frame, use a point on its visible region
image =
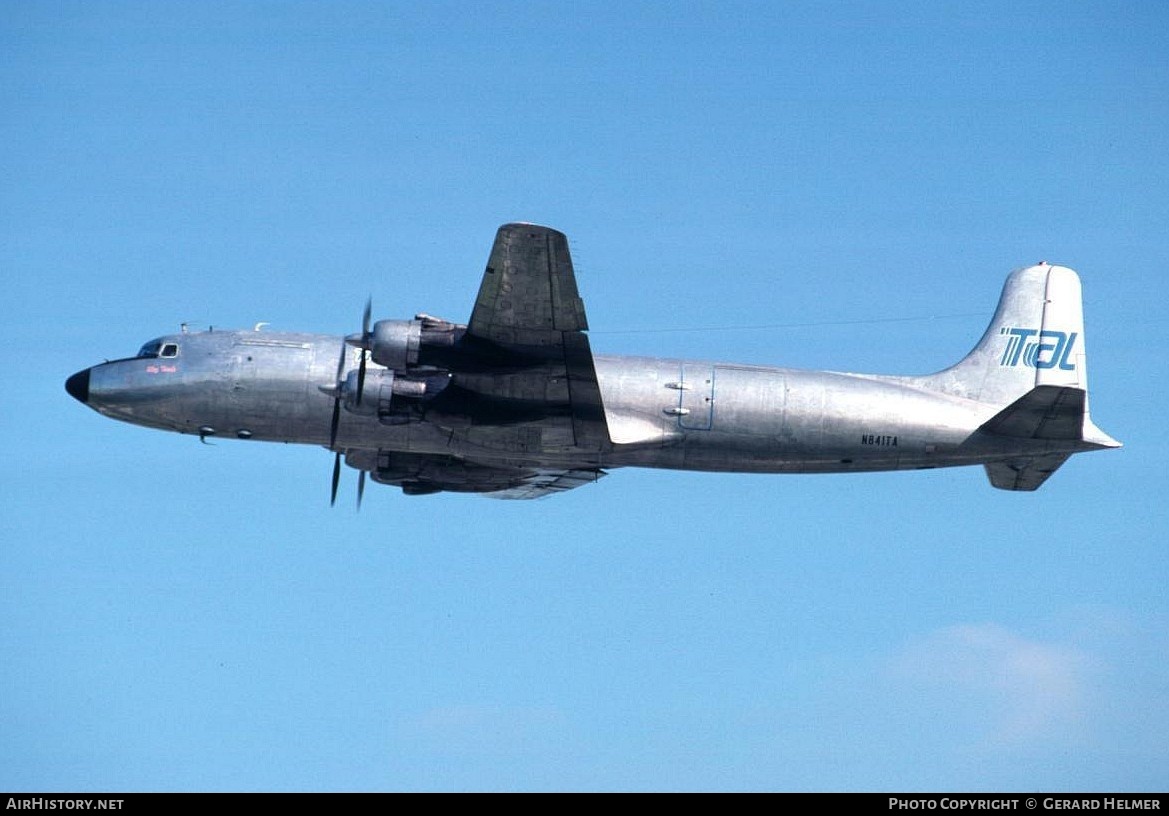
(170, 350)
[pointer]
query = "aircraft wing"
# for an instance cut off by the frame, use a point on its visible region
(545, 482)
(421, 473)
(533, 386)
(528, 294)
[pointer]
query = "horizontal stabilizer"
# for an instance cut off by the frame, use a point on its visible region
(1024, 474)
(1044, 412)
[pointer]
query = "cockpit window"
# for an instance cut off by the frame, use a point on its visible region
(157, 348)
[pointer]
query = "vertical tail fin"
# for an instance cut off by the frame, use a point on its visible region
(1036, 337)
(1032, 364)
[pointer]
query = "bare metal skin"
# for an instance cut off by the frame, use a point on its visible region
(514, 405)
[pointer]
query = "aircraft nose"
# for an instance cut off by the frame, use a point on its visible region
(78, 386)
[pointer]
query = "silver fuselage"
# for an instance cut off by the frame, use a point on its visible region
(662, 413)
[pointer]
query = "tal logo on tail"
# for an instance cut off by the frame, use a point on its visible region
(1038, 349)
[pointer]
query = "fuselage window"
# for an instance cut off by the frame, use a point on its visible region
(170, 350)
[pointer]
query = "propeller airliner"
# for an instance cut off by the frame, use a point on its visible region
(514, 404)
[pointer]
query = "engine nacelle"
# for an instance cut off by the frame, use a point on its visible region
(376, 396)
(395, 343)
(388, 394)
(439, 333)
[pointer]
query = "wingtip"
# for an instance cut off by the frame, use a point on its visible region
(529, 226)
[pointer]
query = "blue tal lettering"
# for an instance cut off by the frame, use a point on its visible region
(1064, 365)
(1055, 348)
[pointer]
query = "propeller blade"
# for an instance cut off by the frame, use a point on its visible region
(365, 338)
(337, 399)
(341, 363)
(336, 421)
(336, 478)
(361, 378)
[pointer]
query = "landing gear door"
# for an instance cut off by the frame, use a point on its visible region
(697, 396)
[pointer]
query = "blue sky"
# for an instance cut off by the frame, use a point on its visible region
(184, 617)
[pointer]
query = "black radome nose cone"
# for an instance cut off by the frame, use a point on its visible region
(78, 386)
